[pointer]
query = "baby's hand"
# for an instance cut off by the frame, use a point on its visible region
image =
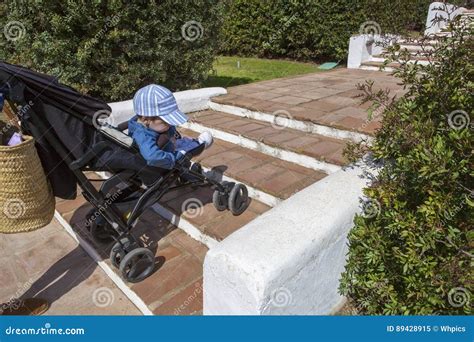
(206, 139)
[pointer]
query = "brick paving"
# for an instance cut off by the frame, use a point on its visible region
(49, 264)
(179, 260)
(313, 145)
(175, 288)
(205, 217)
(325, 98)
(269, 174)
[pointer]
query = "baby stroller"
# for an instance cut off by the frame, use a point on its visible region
(72, 138)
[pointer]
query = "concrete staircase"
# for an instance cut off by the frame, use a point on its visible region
(417, 51)
(274, 162)
(274, 158)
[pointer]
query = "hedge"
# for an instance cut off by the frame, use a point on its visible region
(411, 251)
(316, 30)
(111, 48)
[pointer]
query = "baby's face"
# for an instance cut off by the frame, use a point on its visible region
(158, 125)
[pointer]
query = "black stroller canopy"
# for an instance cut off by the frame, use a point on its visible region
(49, 90)
(53, 111)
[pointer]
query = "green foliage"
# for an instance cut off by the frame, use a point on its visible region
(415, 254)
(111, 48)
(312, 29)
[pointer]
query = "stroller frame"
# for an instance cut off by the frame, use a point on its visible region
(134, 262)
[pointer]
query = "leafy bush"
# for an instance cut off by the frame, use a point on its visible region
(111, 48)
(312, 29)
(412, 253)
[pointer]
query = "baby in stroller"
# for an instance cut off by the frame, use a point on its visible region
(73, 140)
(153, 128)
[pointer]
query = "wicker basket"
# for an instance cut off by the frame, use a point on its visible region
(26, 199)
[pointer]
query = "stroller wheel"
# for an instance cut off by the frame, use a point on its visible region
(137, 265)
(221, 199)
(117, 253)
(238, 199)
(100, 229)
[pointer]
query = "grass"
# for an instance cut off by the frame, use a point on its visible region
(231, 71)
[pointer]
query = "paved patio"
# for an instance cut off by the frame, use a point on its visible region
(325, 98)
(49, 264)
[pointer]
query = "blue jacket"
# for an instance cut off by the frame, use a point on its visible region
(146, 139)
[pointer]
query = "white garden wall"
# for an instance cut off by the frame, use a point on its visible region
(287, 261)
(188, 101)
(443, 11)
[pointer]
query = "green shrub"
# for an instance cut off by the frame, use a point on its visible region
(111, 48)
(413, 252)
(312, 29)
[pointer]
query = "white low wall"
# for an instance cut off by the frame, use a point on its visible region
(288, 261)
(440, 10)
(188, 101)
(361, 49)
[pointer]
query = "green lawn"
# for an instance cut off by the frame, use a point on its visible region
(231, 71)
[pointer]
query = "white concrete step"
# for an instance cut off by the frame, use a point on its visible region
(377, 65)
(416, 59)
(311, 151)
(290, 122)
(416, 48)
